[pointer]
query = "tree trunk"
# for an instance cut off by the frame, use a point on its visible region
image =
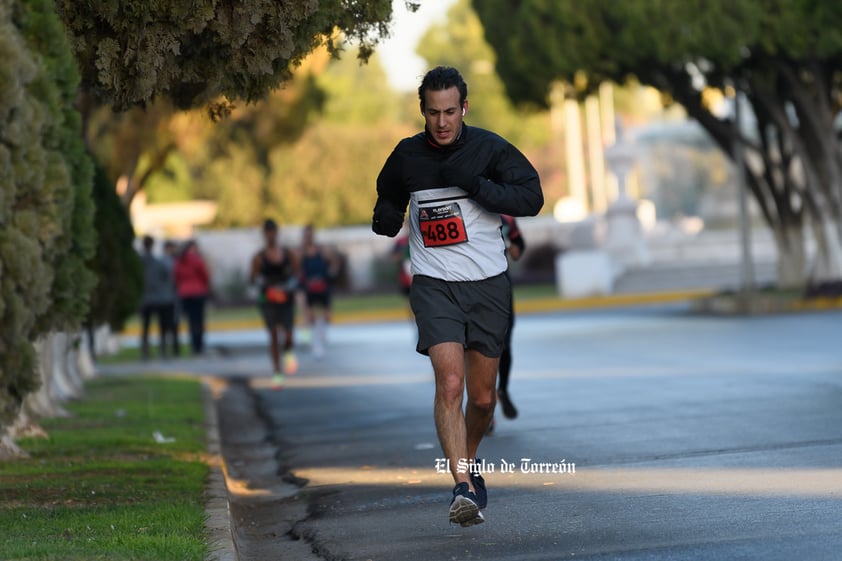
(827, 265)
(26, 427)
(23, 427)
(66, 381)
(105, 342)
(43, 403)
(9, 450)
(85, 357)
(792, 257)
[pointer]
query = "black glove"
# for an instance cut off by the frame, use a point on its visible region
(455, 176)
(387, 220)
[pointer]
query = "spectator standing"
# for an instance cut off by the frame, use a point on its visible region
(169, 257)
(192, 281)
(158, 298)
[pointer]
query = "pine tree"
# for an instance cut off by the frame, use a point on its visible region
(46, 234)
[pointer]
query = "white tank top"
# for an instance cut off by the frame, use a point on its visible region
(453, 238)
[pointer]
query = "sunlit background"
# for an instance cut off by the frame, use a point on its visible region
(310, 153)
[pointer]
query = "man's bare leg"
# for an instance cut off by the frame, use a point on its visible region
(448, 361)
(481, 380)
(274, 349)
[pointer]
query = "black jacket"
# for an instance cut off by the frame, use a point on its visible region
(507, 182)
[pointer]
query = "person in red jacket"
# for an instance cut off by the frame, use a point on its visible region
(192, 282)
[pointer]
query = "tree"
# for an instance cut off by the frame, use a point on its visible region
(459, 42)
(176, 155)
(46, 235)
(132, 145)
(117, 265)
(781, 55)
(201, 54)
(298, 155)
(131, 52)
(326, 179)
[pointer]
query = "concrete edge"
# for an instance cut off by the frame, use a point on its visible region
(218, 530)
(762, 304)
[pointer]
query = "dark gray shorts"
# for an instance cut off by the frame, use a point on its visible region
(474, 313)
(278, 315)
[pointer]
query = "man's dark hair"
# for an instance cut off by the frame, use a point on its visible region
(443, 78)
(270, 224)
(148, 242)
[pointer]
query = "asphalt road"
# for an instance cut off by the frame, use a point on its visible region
(679, 437)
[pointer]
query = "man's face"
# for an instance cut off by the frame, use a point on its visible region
(270, 235)
(443, 114)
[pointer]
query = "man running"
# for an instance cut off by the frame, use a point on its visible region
(275, 271)
(457, 181)
(318, 270)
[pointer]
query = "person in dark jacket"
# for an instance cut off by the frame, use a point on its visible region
(169, 257)
(158, 299)
(457, 180)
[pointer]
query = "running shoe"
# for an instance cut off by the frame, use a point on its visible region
(290, 363)
(277, 381)
(509, 410)
(479, 488)
(464, 508)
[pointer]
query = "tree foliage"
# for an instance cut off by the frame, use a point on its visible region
(316, 137)
(181, 155)
(131, 145)
(131, 52)
(459, 42)
(117, 265)
(782, 55)
(46, 235)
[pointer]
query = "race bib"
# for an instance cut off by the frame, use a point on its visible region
(276, 295)
(442, 225)
(317, 286)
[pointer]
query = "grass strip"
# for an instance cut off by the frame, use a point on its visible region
(101, 487)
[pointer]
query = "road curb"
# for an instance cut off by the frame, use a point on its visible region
(218, 523)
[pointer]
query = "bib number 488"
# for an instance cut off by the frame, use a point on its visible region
(442, 226)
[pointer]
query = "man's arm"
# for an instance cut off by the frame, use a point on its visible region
(254, 271)
(392, 199)
(511, 186)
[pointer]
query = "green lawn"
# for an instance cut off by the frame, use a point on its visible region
(101, 488)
